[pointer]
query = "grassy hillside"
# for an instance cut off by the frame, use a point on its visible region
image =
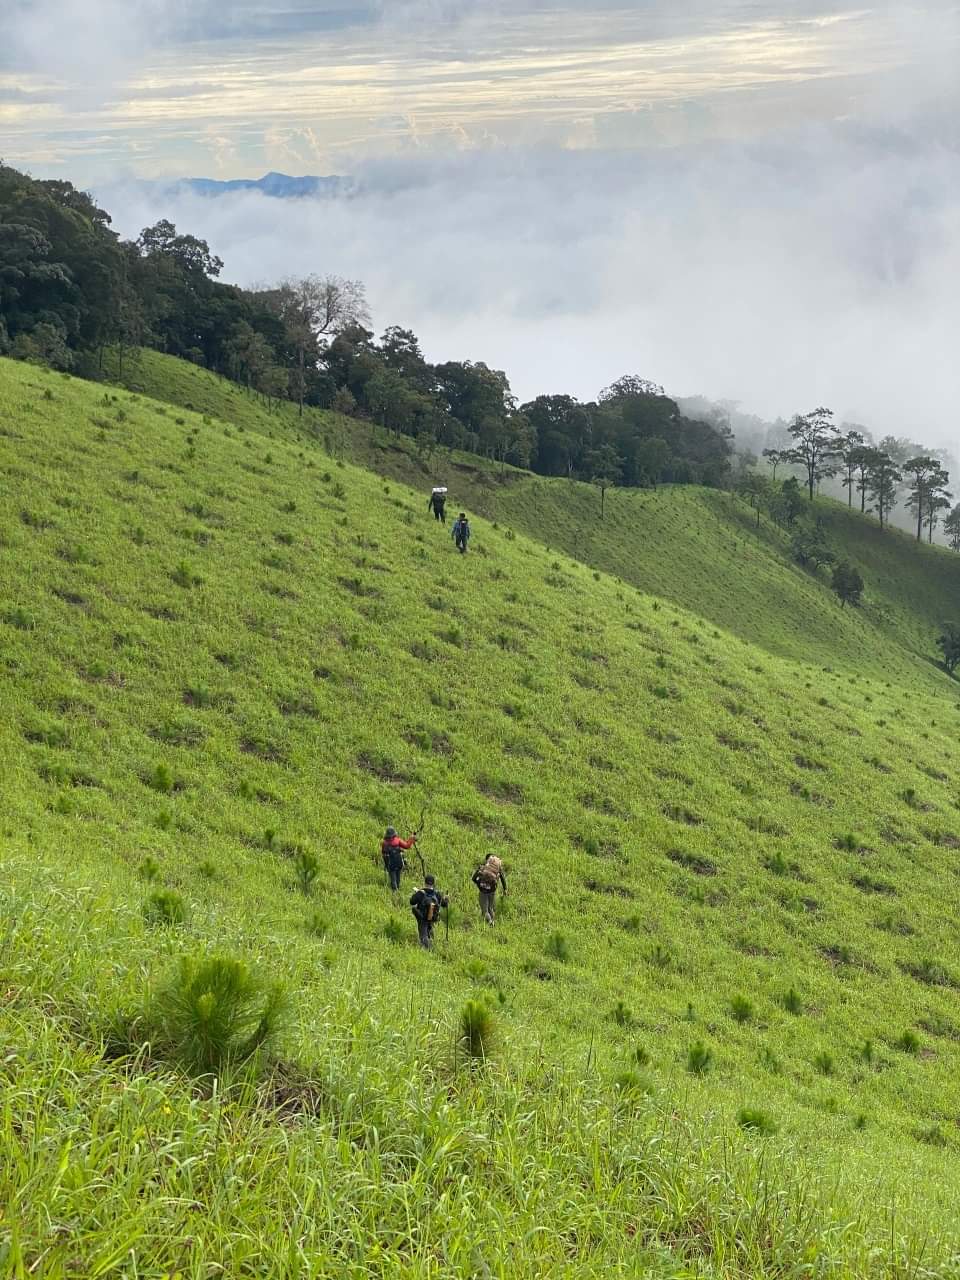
(697, 547)
(723, 983)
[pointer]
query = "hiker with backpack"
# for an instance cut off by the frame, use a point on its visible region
(391, 851)
(461, 532)
(438, 503)
(427, 904)
(486, 878)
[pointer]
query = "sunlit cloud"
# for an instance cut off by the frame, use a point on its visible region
(530, 74)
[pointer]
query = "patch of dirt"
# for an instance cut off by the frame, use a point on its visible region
(735, 744)
(936, 774)
(676, 813)
(264, 749)
(764, 827)
(613, 890)
(674, 775)
(464, 819)
(359, 588)
(694, 862)
(665, 736)
(812, 797)
(383, 769)
(500, 789)
(70, 597)
(291, 1095)
(870, 884)
(807, 762)
(299, 704)
(599, 804)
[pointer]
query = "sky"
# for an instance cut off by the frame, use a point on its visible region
(753, 201)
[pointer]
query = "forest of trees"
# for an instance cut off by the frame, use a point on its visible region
(71, 290)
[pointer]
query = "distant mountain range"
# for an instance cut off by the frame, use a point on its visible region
(280, 186)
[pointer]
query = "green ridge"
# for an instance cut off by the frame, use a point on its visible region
(719, 789)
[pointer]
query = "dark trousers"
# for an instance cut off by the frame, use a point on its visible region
(425, 932)
(440, 514)
(462, 546)
(394, 873)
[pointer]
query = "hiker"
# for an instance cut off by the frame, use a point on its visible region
(486, 878)
(426, 904)
(391, 851)
(461, 533)
(438, 504)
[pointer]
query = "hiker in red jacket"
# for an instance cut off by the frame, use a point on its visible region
(391, 851)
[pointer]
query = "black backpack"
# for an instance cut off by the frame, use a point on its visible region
(428, 906)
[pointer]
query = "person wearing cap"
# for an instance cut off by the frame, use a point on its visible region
(461, 532)
(391, 851)
(486, 878)
(438, 505)
(427, 904)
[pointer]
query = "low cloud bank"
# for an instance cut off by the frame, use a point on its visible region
(818, 269)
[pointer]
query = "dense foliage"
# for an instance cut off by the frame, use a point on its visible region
(70, 288)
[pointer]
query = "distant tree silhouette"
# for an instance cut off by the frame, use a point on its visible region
(847, 583)
(949, 644)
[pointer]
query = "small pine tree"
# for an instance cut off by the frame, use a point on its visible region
(164, 906)
(792, 1002)
(699, 1059)
(215, 1010)
(307, 866)
(476, 1029)
(558, 947)
(741, 1008)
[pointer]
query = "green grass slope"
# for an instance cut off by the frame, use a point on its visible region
(697, 547)
(723, 982)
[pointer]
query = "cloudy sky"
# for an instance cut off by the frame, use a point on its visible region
(750, 200)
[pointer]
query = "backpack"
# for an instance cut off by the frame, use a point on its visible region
(390, 851)
(428, 908)
(486, 879)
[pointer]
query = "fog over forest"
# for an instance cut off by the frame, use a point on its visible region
(771, 275)
(750, 201)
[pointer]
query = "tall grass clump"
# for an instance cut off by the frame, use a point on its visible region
(164, 906)
(150, 869)
(476, 1029)
(394, 931)
(909, 1042)
(216, 1011)
(557, 947)
(754, 1120)
(699, 1059)
(318, 924)
(741, 1009)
